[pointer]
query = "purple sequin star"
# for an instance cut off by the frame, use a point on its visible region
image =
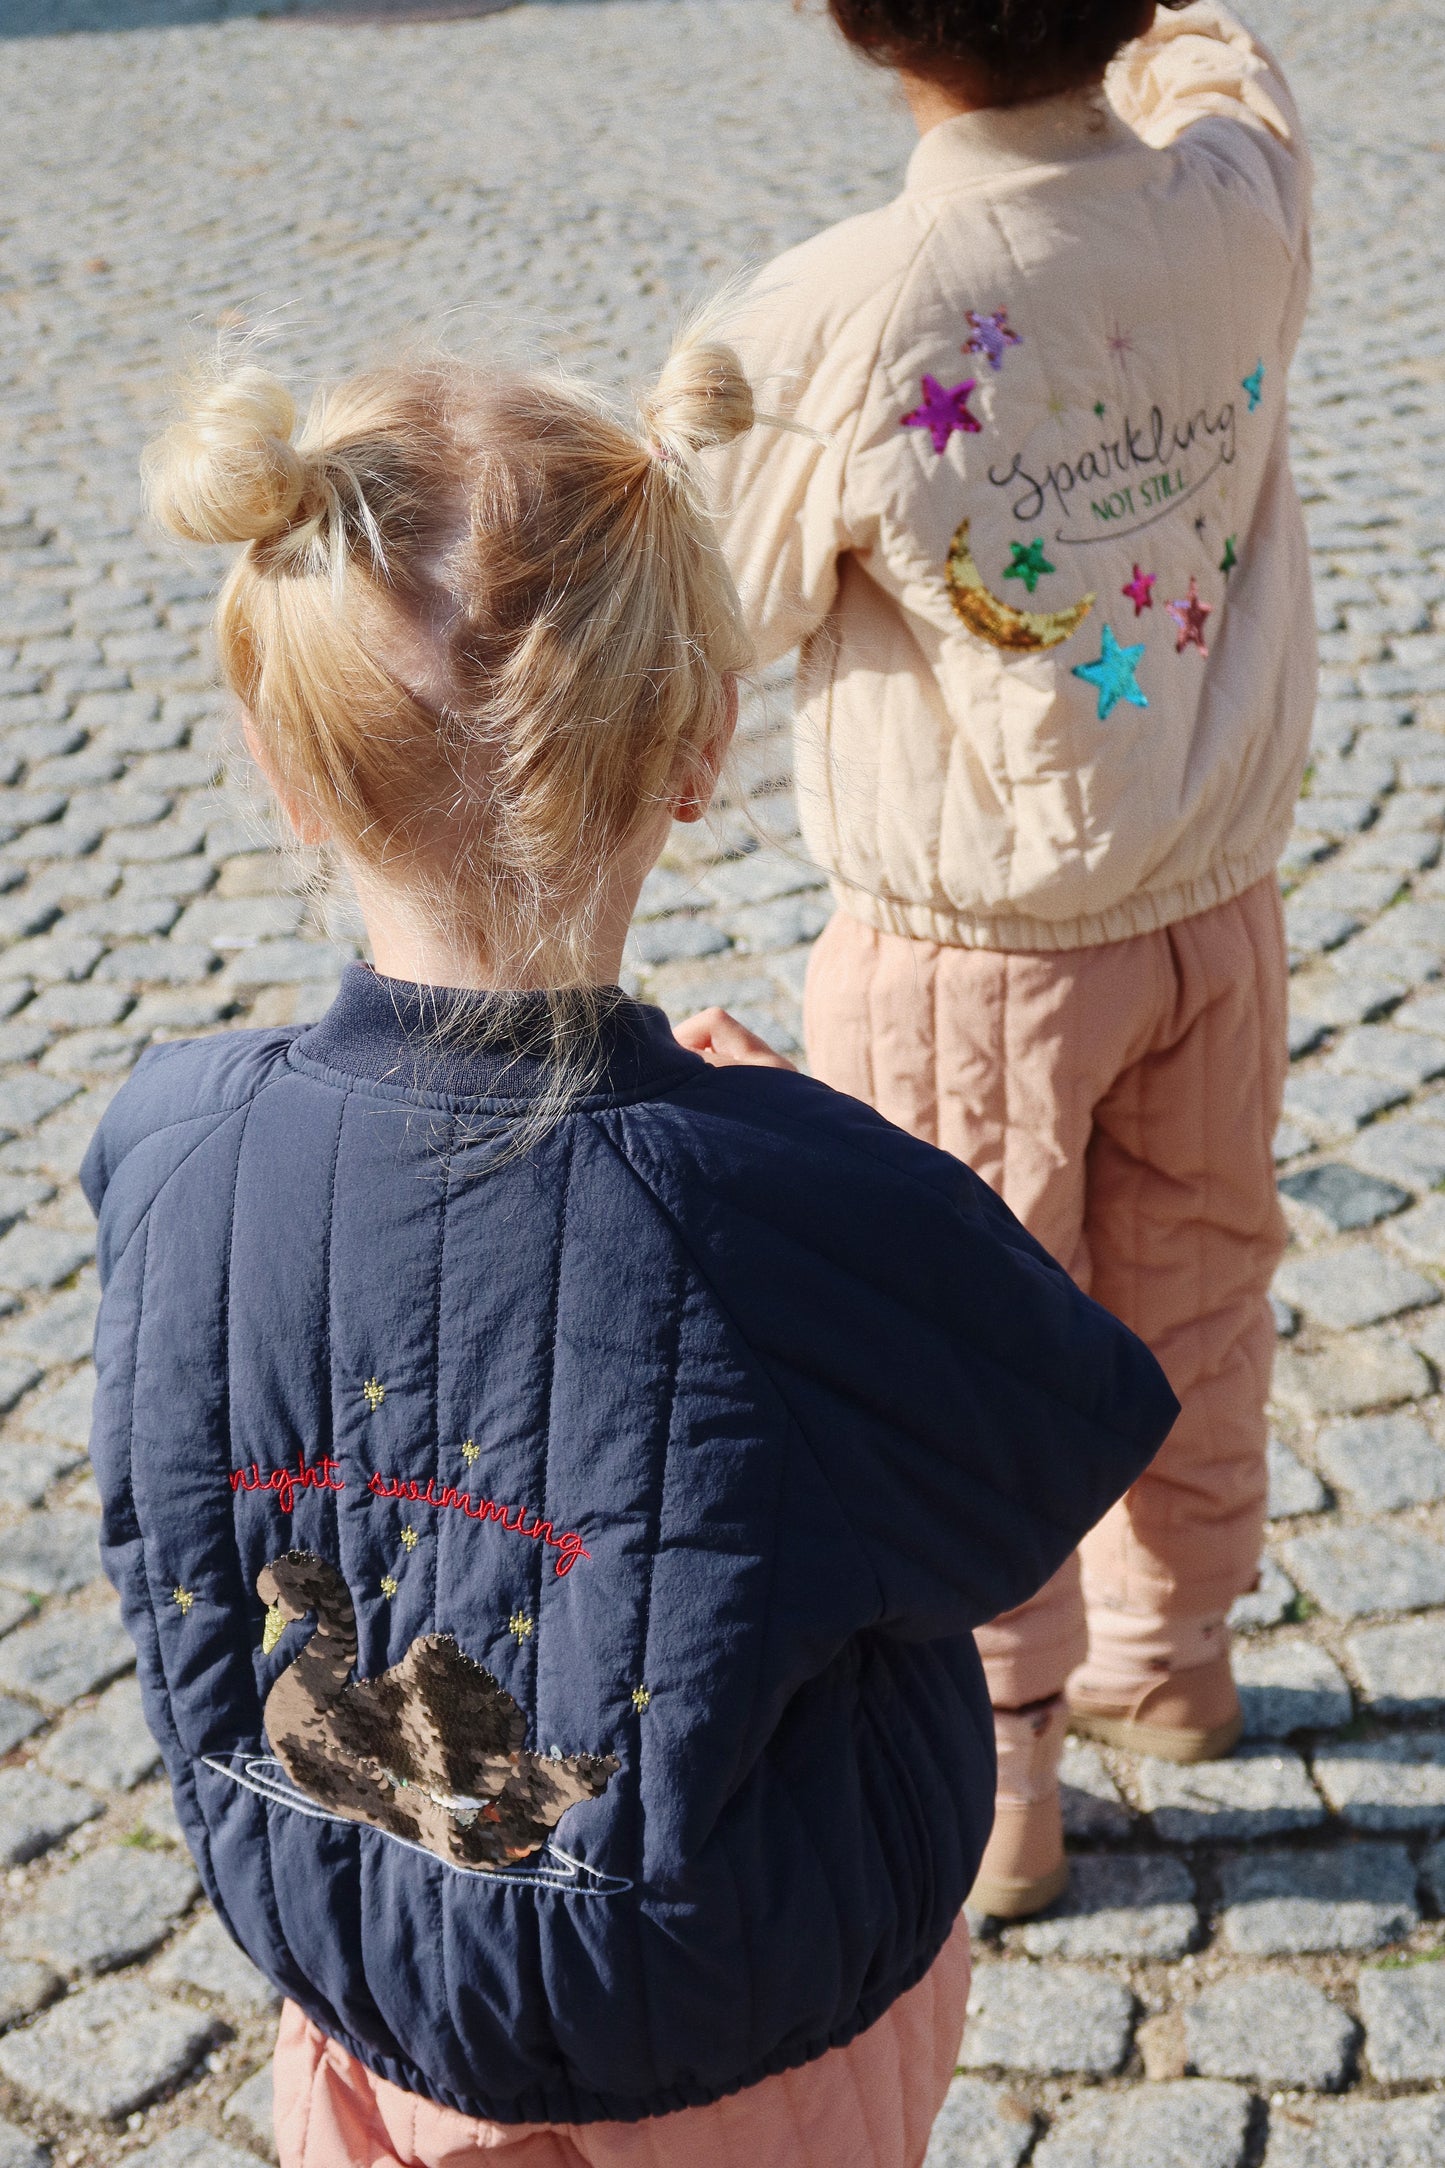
(990, 335)
(942, 409)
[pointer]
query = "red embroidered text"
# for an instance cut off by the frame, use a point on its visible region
(569, 1547)
(326, 1475)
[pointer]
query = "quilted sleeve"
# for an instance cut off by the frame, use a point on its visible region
(1200, 70)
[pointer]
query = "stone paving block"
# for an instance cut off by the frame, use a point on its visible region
(1422, 1012)
(19, 2150)
(25, 1987)
(155, 963)
(114, 1907)
(189, 2146)
(35, 1813)
(1394, 1783)
(1357, 2134)
(107, 2050)
(27, 1098)
(252, 2107)
(17, 1721)
(59, 1331)
(205, 1957)
(1093, 1805)
(107, 1746)
(1313, 929)
(1290, 1141)
(28, 1467)
(1194, 2123)
(17, 1374)
(240, 922)
(1293, 1488)
(1358, 1572)
(1401, 1668)
(64, 1413)
(1341, 1289)
(288, 963)
(1290, 1686)
(1342, 1197)
(1262, 1792)
(1410, 1058)
(1281, 1904)
(1266, 1603)
(1140, 1907)
(34, 1257)
(1420, 1232)
(1369, 1369)
(50, 1554)
(1410, 1151)
(1403, 2007)
(1382, 1463)
(761, 877)
(980, 2126)
(1272, 2029)
(1333, 1107)
(1052, 2021)
(66, 1654)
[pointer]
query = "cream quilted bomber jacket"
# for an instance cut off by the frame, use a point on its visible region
(1041, 547)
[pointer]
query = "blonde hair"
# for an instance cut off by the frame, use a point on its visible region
(557, 565)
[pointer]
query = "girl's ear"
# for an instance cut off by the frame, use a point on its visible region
(302, 820)
(703, 764)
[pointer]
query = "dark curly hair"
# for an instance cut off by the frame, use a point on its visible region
(1007, 49)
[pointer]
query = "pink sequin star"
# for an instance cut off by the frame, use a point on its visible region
(1189, 614)
(990, 334)
(1140, 590)
(942, 409)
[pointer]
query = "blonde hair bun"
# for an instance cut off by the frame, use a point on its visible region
(227, 471)
(701, 399)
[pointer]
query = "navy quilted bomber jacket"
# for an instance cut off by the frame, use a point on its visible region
(553, 1580)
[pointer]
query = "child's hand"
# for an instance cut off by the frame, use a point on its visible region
(727, 1044)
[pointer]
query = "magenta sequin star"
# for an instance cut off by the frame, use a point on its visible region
(990, 335)
(1140, 590)
(1190, 614)
(942, 409)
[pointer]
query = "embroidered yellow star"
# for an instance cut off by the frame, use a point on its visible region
(375, 1393)
(409, 1539)
(641, 1696)
(1058, 407)
(520, 1625)
(389, 1585)
(183, 1598)
(470, 1451)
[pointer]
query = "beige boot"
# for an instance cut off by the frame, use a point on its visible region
(1165, 1690)
(1023, 1868)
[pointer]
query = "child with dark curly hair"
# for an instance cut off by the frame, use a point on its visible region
(1038, 540)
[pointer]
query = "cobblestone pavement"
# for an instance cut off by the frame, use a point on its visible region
(1242, 1942)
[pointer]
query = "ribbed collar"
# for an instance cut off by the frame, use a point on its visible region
(1043, 132)
(425, 1039)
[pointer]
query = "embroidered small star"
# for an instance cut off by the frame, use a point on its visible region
(990, 335)
(520, 1627)
(1029, 563)
(183, 1599)
(943, 409)
(1121, 342)
(641, 1696)
(470, 1451)
(1200, 524)
(409, 1539)
(375, 1393)
(1254, 385)
(389, 1585)
(1140, 590)
(1100, 409)
(1230, 558)
(1190, 615)
(1058, 407)
(1113, 674)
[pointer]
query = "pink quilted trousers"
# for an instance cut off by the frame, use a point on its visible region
(868, 2105)
(1123, 1101)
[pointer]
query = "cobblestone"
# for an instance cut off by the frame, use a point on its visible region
(1404, 2012)
(1270, 2028)
(1358, 1572)
(1118, 1907)
(114, 1907)
(107, 2050)
(1358, 2134)
(1050, 2021)
(1262, 1792)
(1340, 1289)
(1382, 1463)
(1193, 2124)
(1394, 1783)
(1401, 1668)
(980, 2126)
(1290, 1686)
(1283, 1904)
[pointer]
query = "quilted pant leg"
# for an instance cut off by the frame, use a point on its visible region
(1000, 1059)
(1185, 1230)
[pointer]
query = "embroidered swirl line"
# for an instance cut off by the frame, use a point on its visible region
(570, 1546)
(326, 1475)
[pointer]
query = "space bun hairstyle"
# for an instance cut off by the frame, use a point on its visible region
(480, 624)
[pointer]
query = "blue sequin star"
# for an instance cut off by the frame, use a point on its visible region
(1113, 673)
(1254, 385)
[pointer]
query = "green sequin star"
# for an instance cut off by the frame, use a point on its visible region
(1230, 558)
(1029, 563)
(1100, 409)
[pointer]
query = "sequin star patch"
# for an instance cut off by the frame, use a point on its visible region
(944, 409)
(990, 335)
(1114, 675)
(1191, 616)
(1253, 384)
(1029, 563)
(1140, 590)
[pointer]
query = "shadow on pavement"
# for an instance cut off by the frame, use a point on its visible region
(54, 18)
